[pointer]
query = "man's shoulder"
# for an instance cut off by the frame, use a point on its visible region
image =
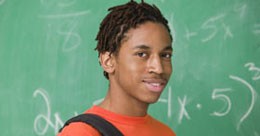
(79, 129)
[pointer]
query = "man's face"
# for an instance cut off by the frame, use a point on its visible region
(143, 64)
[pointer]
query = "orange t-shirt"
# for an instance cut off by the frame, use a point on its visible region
(129, 126)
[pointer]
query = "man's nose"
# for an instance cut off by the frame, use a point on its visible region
(155, 65)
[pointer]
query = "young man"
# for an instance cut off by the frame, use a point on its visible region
(134, 45)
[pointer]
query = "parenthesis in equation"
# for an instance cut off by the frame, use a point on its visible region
(253, 100)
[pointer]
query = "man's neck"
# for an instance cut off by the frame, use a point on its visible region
(116, 103)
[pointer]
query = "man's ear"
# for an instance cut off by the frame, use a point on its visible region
(107, 61)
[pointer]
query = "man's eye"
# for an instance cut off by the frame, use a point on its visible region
(141, 54)
(167, 55)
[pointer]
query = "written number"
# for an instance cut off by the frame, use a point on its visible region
(43, 121)
(218, 95)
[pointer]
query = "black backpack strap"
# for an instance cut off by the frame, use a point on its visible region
(104, 127)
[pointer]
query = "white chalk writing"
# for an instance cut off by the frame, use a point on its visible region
(168, 101)
(210, 25)
(253, 98)
(183, 111)
(43, 121)
(218, 94)
(190, 34)
(65, 15)
(2, 2)
(256, 29)
(241, 9)
(228, 33)
(72, 39)
(256, 70)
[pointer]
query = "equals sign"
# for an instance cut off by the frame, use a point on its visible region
(256, 29)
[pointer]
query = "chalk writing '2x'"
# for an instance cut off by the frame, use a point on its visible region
(43, 121)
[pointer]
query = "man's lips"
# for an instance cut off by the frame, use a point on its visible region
(155, 85)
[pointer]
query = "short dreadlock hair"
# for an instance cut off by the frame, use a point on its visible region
(122, 18)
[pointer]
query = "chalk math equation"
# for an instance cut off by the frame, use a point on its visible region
(221, 94)
(43, 121)
(216, 26)
(209, 29)
(68, 28)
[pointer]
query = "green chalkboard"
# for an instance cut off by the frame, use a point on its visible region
(49, 70)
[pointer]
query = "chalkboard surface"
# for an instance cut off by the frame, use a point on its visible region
(49, 70)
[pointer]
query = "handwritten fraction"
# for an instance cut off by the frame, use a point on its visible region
(67, 29)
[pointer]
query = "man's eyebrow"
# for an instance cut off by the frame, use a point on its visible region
(144, 47)
(169, 47)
